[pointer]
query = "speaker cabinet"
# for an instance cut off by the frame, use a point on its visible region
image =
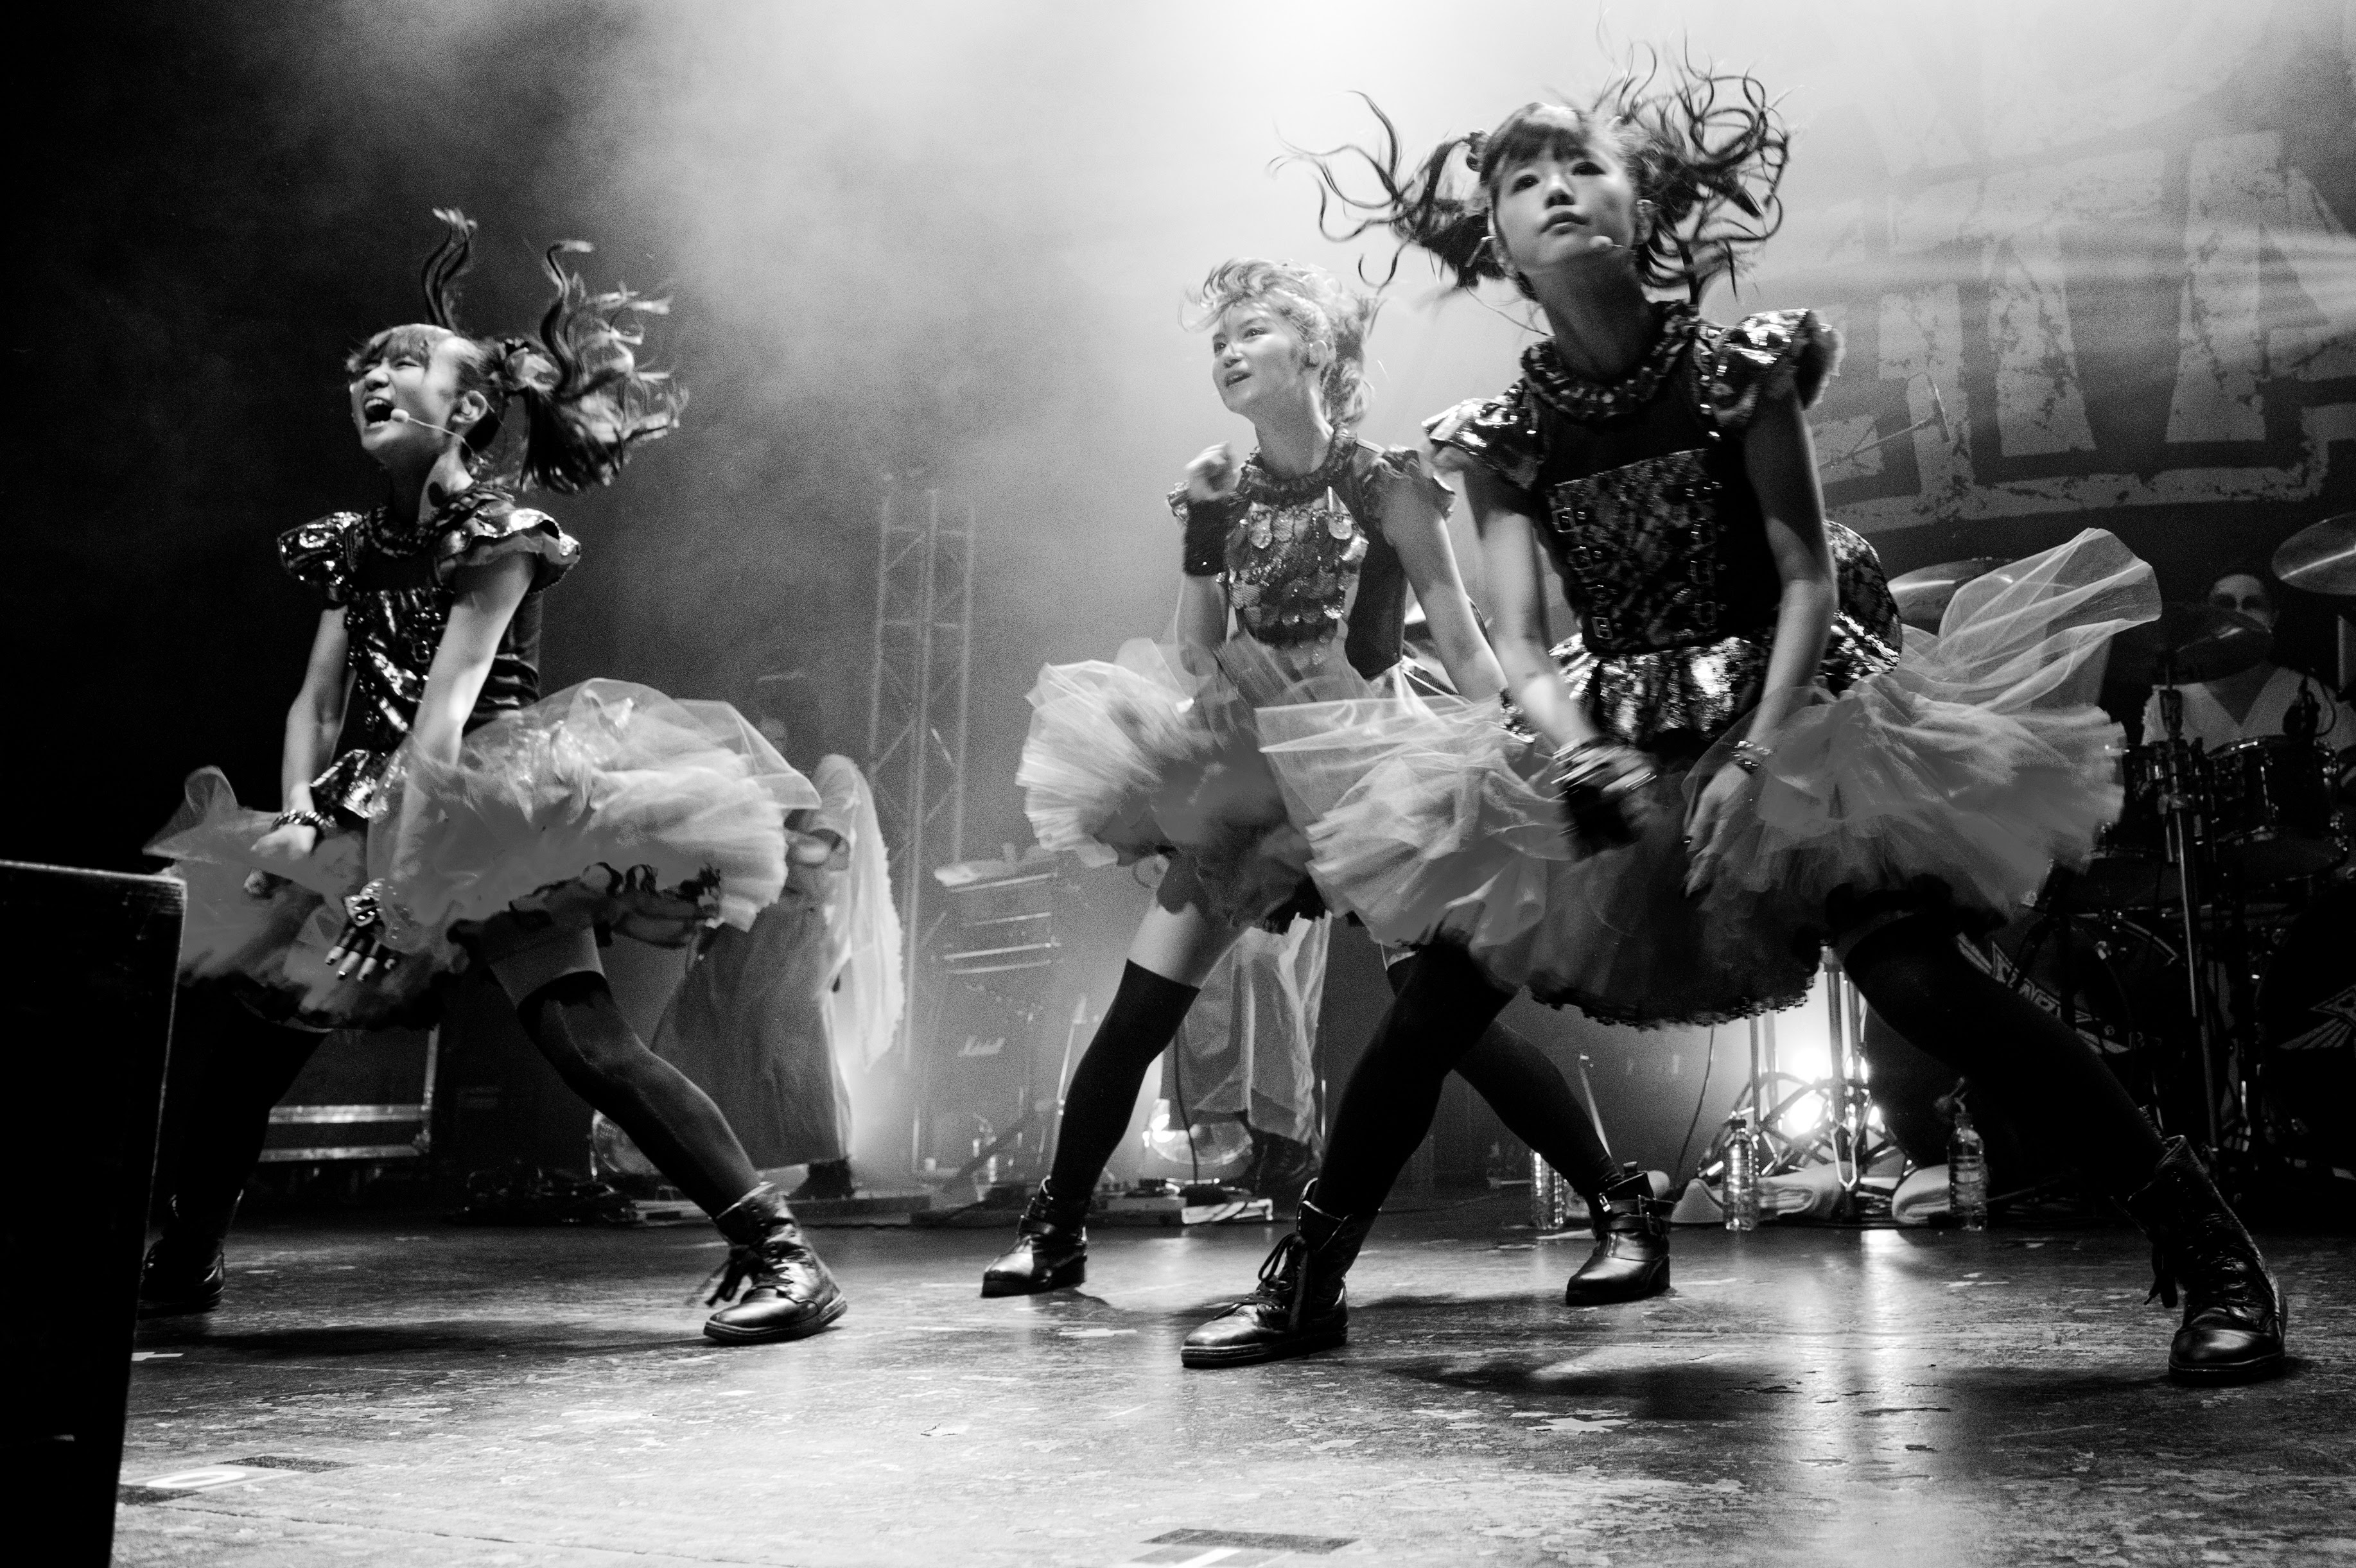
(87, 962)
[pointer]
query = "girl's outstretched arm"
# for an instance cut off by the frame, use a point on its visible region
(1509, 558)
(313, 722)
(1779, 461)
(486, 599)
(1419, 532)
(1201, 612)
(1782, 464)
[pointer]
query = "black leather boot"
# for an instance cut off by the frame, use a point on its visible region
(1298, 1306)
(181, 1277)
(2234, 1316)
(184, 1272)
(788, 1293)
(1050, 1250)
(1630, 1260)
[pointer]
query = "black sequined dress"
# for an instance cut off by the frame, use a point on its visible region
(606, 804)
(1157, 752)
(395, 587)
(1952, 769)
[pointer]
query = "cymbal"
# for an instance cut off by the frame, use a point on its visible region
(2320, 558)
(2188, 642)
(1924, 593)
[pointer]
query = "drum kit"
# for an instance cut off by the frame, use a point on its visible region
(2208, 948)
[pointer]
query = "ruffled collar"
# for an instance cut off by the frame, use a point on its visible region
(474, 499)
(1584, 402)
(1260, 485)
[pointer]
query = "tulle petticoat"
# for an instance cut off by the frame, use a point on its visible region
(273, 944)
(1159, 750)
(606, 804)
(1972, 766)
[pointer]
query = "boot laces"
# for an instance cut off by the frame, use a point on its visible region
(743, 1263)
(1284, 1278)
(756, 1266)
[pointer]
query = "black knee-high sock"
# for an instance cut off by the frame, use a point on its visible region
(1138, 1026)
(1443, 1007)
(577, 1026)
(1915, 978)
(228, 1115)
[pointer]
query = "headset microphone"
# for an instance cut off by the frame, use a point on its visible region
(402, 416)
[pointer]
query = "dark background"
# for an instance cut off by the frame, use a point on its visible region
(944, 244)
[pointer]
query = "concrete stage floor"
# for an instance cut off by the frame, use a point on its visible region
(408, 1392)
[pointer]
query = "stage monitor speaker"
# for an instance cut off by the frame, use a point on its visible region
(87, 962)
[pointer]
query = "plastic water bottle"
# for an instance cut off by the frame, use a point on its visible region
(1739, 1190)
(1966, 1173)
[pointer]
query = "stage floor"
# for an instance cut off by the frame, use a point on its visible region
(411, 1393)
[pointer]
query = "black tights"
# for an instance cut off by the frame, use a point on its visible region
(577, 1028)
(1535, 1101)
(1442, 1008)
(1528, 1091)
(601, 1058)
(1911, 972)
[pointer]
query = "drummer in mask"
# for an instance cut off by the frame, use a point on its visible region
(2260, 700)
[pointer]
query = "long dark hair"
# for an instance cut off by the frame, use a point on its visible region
(586, 400)
(1706, 147)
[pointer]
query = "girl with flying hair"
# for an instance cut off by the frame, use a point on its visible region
(1296, 564)
(468, 820)
(1736, 762)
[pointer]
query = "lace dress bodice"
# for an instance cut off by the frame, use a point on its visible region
(1642, 504)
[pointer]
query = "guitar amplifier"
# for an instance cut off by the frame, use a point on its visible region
(995, 961)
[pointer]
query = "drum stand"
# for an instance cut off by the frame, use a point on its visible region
(2179, 808)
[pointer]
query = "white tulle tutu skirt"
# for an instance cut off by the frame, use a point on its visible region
(1960, 775)
(1158, 751)
(606, 804)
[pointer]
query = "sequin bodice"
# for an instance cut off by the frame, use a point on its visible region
(1306, 560)
(1643, 502)
(395, 587)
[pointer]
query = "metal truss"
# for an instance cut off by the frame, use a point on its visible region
(918, 696)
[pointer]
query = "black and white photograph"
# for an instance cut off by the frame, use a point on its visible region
(1042, 783)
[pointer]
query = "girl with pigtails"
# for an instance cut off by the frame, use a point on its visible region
(1737, 762)
(1296, 565)
(468, 820)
